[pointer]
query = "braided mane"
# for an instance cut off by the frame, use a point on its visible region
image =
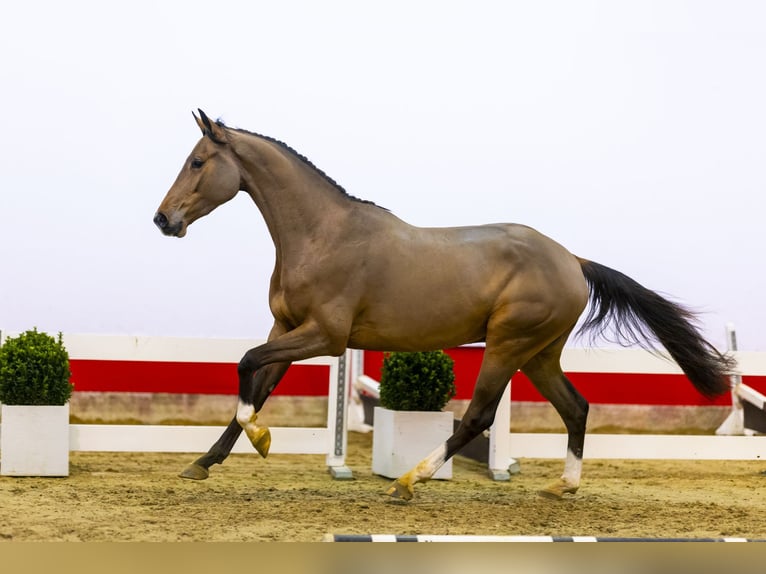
(301, 157)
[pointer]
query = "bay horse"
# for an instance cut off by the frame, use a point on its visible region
(350, 274)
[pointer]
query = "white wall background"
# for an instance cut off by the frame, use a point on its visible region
(632, 132)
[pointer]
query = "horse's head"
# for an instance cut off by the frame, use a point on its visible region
(210, 176)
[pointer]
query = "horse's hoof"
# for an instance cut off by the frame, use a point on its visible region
(550, 494)
(557, 490)
(261, 439)
(194, 472)
(401, 490)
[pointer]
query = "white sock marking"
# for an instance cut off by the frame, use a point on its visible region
(245, 413)
(572, 469)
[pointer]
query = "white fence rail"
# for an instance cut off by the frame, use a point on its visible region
(506, 447)
(193, 439)
(331, 440)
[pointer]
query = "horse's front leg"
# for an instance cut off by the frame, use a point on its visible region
(274, 357)
(266, 377)
(260, 370)
(254, 389)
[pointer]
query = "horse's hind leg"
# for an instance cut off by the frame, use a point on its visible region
(493, 378)
(544, 370)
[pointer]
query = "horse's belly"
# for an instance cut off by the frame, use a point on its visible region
(418, 332)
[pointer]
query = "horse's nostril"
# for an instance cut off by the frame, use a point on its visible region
(160, 220)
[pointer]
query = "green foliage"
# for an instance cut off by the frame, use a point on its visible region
(34, 370)
(423, 381)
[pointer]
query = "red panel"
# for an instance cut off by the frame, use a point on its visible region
(597, 388)
(625, 389)
(196, 378)
(312, 380)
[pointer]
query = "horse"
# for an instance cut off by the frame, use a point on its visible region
(350, 274)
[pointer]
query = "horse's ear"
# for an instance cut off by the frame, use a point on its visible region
(213, 130)
(199, 123)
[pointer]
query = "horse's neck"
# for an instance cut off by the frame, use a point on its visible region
(296, 201)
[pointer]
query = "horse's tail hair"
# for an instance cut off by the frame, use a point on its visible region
(633, 314)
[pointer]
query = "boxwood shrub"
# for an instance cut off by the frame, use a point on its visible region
(34, 370)
(422, 381)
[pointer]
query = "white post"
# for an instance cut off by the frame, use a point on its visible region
(735, 422)
(501, 465)
(355, 407)
(337, 417)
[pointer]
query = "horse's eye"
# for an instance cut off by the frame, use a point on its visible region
(196, 163)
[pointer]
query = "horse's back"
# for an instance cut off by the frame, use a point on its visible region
(484, 257)
(438, 287)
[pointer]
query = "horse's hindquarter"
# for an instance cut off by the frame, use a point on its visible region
(432, 288)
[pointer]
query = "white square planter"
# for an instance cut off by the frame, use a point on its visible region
(34, 440)
(401, 439)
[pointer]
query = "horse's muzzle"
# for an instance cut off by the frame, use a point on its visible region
(161, 221)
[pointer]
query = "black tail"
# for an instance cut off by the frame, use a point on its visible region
(640, 316)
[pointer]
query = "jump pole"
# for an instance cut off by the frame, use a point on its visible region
(482, 538)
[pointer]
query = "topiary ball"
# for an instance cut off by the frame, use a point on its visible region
(421, 381)
(34, 370)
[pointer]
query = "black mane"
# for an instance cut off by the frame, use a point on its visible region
(303, 158)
